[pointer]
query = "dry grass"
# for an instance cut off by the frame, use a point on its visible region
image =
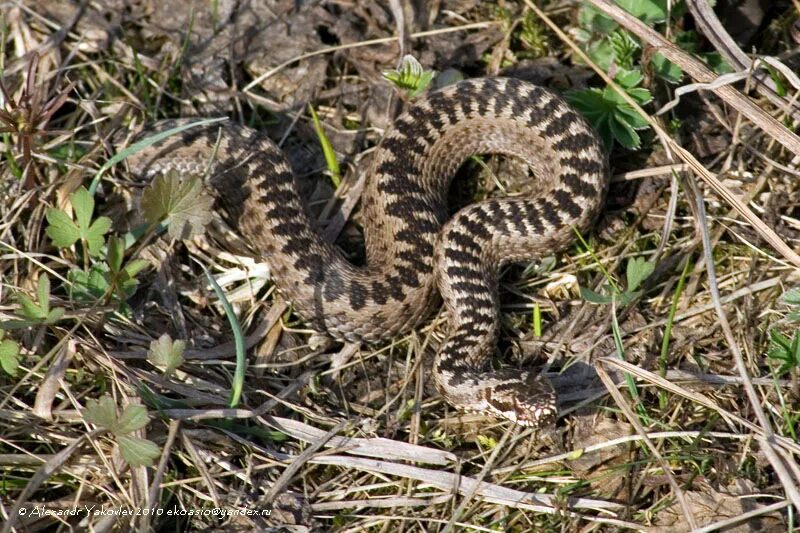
(698, 431)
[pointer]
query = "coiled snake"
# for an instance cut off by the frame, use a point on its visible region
(411, 247)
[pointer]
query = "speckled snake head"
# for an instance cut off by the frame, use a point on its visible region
(528, 399)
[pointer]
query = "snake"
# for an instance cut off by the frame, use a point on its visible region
(415, 255)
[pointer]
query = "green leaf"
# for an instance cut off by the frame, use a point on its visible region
(628, 78)
(624, 133)
(786, 351)
(134, 418)
(65, 231)
(625, 48)
(94, 235)
(61, 229)
(717, 63)
(612, 117)
(135, 266)
(102, 412)
(183, 202)
(9, 356)
(43, 292)
(166, 354)
(668, 71)
(138, 452)
(595, 21)
(30, 310)
(594, 297)
(648, 11)
(54, 315)
(88, 286)
(637, 271)
(115, 253)
(83, 205)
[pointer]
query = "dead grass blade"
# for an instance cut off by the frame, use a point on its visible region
(678, 57)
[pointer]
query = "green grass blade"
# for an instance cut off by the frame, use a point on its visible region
(327, 149)
(662, 357)
(238, 338)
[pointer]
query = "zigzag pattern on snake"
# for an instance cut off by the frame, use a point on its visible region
(411, 247)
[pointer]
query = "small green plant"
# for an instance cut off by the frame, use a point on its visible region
(636, 272)
(27, 117)
(410, 77)
(66, 231)
(135, 451)
(784, 351)
(180, 202)
(166, 354)
(613, 117)
(9, 355)
(533, 36)
(109, 279)
(38, 312)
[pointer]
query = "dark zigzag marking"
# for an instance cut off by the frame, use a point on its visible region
(558, 126)
(549, 212)
(289, 227)
(395, 288)
(476, 229)
(565, 203)
(460, 271)
(464, 241)
(459, 256)
(358, 296)
(378, 292)
(501, 101)
(413, 238)
(408, 276)
(589, 166)
(468, 287)
(534, 216)
(334, 285)
(578, 187)
(540, 114)
(297, 243)
(417, 261)
(575, 143)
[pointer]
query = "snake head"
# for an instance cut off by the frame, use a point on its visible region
(522, 397)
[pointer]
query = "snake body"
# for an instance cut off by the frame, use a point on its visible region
(411, 246)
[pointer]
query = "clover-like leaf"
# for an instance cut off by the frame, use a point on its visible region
(182, 202)
(166, 354)
(102, 412)
(65, 231)
(134, 418)
(136, 451)
(62, 230)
